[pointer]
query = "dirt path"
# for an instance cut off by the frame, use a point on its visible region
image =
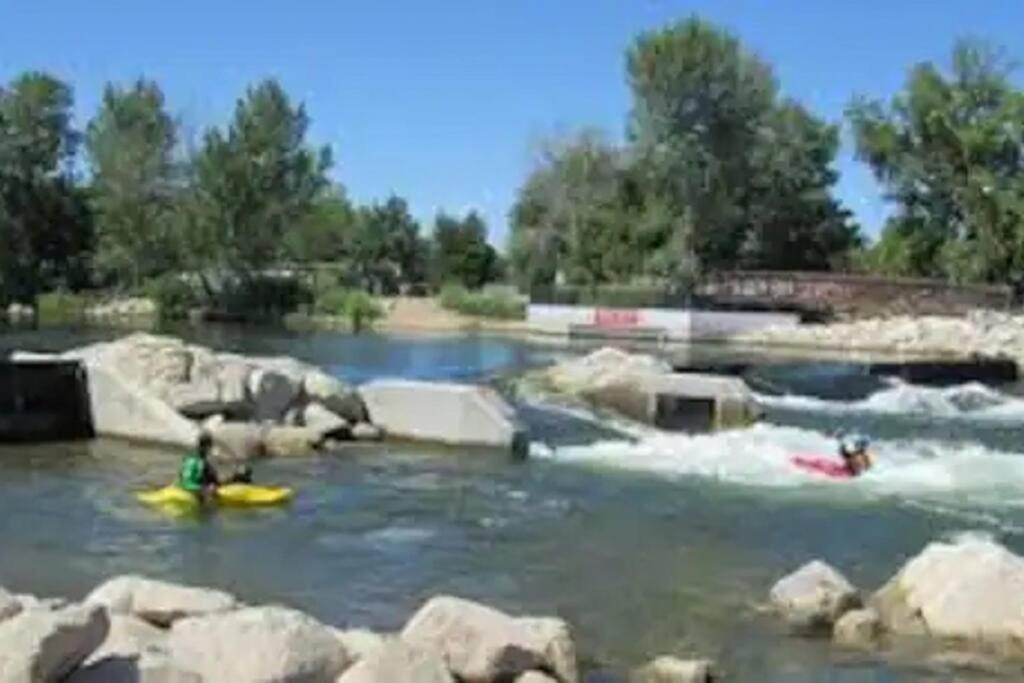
(426, 314)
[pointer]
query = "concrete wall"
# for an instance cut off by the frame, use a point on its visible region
(663, 323)
(441, 412)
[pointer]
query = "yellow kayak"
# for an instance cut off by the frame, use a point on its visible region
(228, 495)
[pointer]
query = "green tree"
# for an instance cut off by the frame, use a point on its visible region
(949, 150)
(254, 182)
(45, 225)
(461, 252)
(569, 219)
(387, 250)
(136, 183)
(326, 234)
(723, 158)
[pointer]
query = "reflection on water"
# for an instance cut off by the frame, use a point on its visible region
(652, 546)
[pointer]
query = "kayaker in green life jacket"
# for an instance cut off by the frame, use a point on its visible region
(197, 475)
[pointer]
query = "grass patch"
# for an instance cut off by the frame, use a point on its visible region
(355, 306)
(499, 305)
(61, 308)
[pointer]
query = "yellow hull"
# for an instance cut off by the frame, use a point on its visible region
(229, 495)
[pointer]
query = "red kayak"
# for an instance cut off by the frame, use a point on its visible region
(817, 464)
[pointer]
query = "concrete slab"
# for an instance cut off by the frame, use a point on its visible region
(445, 413)
(123, 410)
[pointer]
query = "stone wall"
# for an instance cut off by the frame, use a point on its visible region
(853, 296)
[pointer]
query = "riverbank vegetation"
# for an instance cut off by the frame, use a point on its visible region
(719, 170)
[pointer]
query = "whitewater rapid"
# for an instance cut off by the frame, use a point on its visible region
(918, 467)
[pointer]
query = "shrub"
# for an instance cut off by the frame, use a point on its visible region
(264, 297)
(173, 296)
(358, 307)
(498, 304)
(61, 308)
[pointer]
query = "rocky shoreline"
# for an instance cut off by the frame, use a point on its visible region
(139, 630)
(983, 333)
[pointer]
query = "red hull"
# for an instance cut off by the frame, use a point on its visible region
(829, 467)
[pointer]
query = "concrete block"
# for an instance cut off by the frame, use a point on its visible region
(680, 401)
(446, 413)
(121, 409)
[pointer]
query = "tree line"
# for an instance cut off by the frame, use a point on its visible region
(718, 170)
(129, 201)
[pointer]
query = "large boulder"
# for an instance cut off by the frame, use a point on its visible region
(237, 440)
(535, 677)
(281, 442)
(39, 646)
(859, 628)
(814, 597)
(272, 394)
(326, 423)
(360, 643)
(128, 637)
(258, 645)
(32, 602)
(481, 644)
(444, 412)
(333, 394)
(675, 670)
(398, 662)
(970, 590)
(158, 602)
(603, 368)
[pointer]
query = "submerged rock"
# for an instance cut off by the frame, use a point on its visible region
(814, 597)
(971, 590)
(364, 431)
(291, 441)
(481, 644)
(329, 425)
(158, 602)
(39, 646)
(675, 670)
(258, 645)
(398, 662)
(859, 628)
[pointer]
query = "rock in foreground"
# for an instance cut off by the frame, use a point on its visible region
(39, 646)
(158, 602)
(398, 662)
(259, 645)
(972, 590)
(674, 670)
(481, 644)
(814, 597)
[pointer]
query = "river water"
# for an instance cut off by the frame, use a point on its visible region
(647, 543)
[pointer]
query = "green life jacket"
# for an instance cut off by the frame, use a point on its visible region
(190, 476)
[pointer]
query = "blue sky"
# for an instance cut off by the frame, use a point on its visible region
(443, 101)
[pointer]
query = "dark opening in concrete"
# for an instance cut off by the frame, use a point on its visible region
(44, 401)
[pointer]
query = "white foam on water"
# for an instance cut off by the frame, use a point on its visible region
(974, 401)
(761, 456)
